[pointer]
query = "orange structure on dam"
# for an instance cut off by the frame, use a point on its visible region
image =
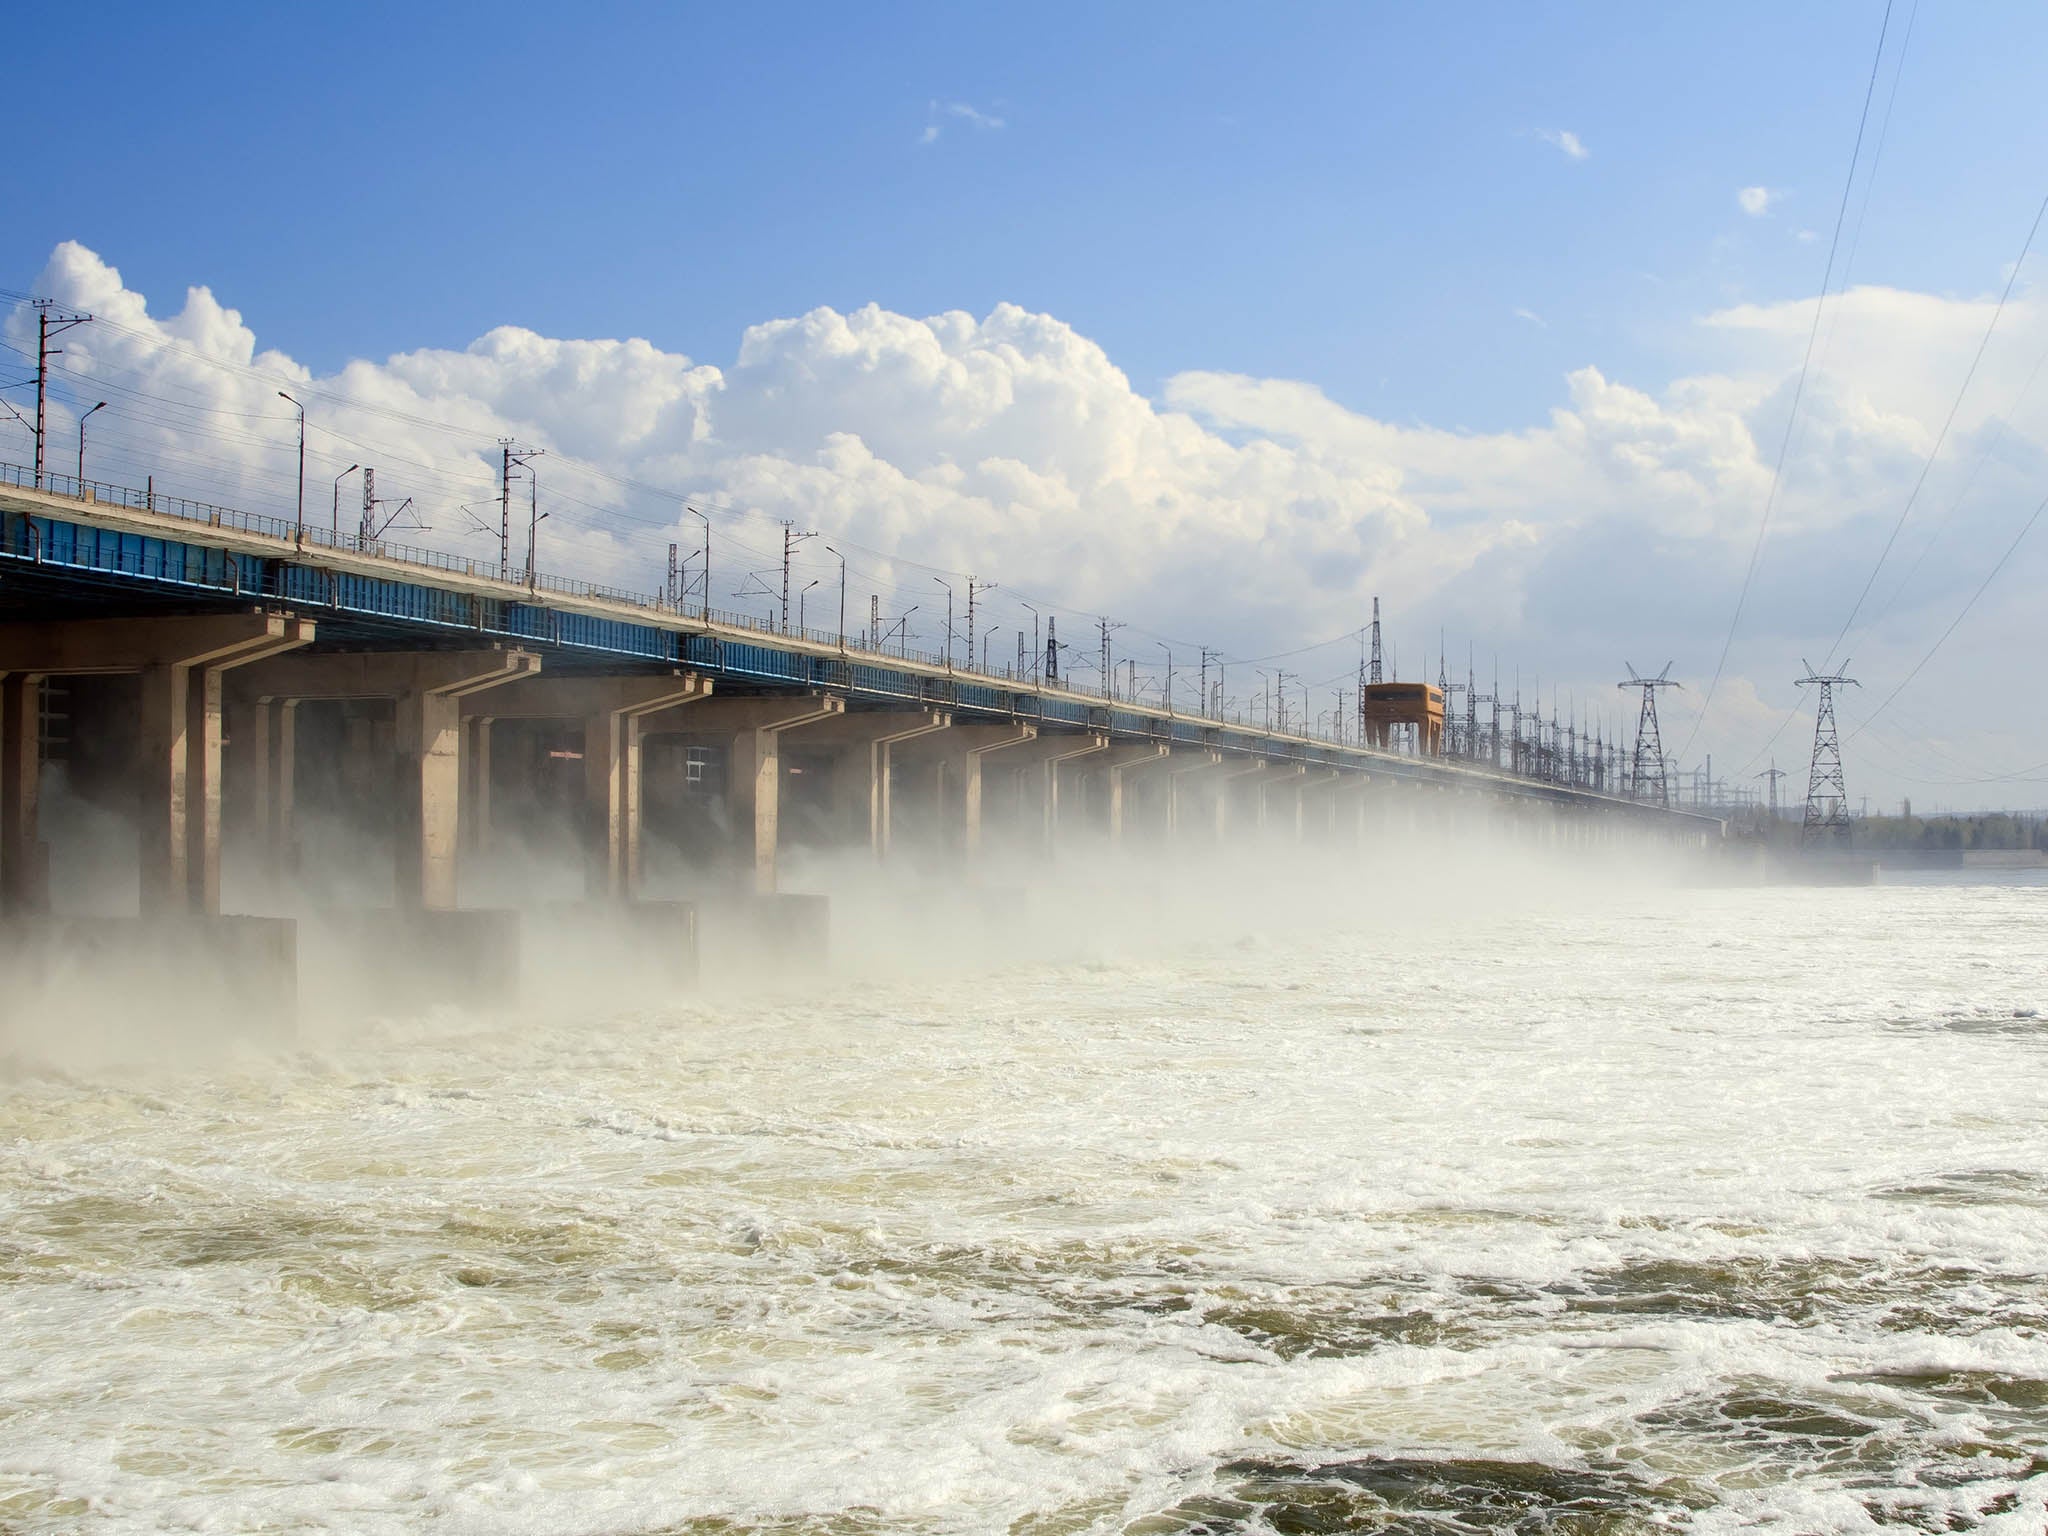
(1392, 705)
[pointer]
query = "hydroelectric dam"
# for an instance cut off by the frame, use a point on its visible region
(220, 672)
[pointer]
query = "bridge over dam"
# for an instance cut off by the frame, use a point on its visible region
(208, 679)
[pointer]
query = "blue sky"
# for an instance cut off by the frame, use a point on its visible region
(1496, 309)
(1355, 195)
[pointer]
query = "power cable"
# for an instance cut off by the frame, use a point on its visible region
(1942, 436)
(1798, 393)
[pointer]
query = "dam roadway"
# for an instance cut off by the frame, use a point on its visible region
(213, 664)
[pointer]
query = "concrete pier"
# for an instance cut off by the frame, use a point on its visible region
(179, 662)
(957, 757)
(862, 751)
(427, 690)
(615, 714)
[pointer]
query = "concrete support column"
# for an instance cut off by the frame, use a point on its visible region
(1278, 801)
(1181, 771)
(24, 872)
(1234, 776)
(1316, 805)
(428, 797)
(1173, 769)
(754, 728)
(958, 755)
(281, 803)
(863, 748)
(427, 690)
(1045, 755)
(476, 782)
(613, 711)
(178, 721)
(1118, 762)
(1348, 799)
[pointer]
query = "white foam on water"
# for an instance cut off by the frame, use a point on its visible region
(1738, 1198)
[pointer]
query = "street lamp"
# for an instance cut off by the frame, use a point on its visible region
(842, 594)
(301, 535)
(800, 605)
(903, 630)
(81, 446)
(534, 518)
(949, 622)
(984, 648)
(335, 530)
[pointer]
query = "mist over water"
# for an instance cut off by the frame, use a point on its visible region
(1442, 1189)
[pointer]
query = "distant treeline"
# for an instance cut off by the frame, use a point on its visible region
(1993, 829)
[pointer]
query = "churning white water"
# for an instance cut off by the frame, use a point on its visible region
(1586, 1212)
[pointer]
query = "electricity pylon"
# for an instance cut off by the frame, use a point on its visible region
(1646, 772)
(1773, 773)
(1827, 795)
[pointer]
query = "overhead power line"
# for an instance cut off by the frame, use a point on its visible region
(1942, 436)
(1798, 393)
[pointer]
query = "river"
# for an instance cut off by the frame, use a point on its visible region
(1597, 1207)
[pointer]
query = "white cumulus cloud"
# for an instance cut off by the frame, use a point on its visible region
(1565, 140)
(1756, 201)
(1256, 514)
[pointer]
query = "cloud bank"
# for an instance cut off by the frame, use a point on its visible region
(1253, 514)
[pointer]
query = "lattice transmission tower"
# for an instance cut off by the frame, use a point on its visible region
(1827, 795)
(1646, 773)
(1773, 774)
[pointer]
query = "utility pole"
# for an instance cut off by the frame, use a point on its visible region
(972, 584)
(1493, 729)
(1052, 651)
(949, 619)
(1375, 667)
(1108, 676)
(1827, 796)
(1471, 707)
(874, 621)
(1206, 654)
(674, 592)
(1648, 770)
(50, 321)
(512, 457)
(790, 539)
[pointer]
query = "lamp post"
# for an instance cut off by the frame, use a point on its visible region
(334, 525)
(301, 524)
(534, 518)
(903, 630)
(81, 445)
(842, 594)
(949, 622)
(800, 605)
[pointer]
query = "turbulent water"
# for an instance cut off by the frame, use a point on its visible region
(1708, 1210)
